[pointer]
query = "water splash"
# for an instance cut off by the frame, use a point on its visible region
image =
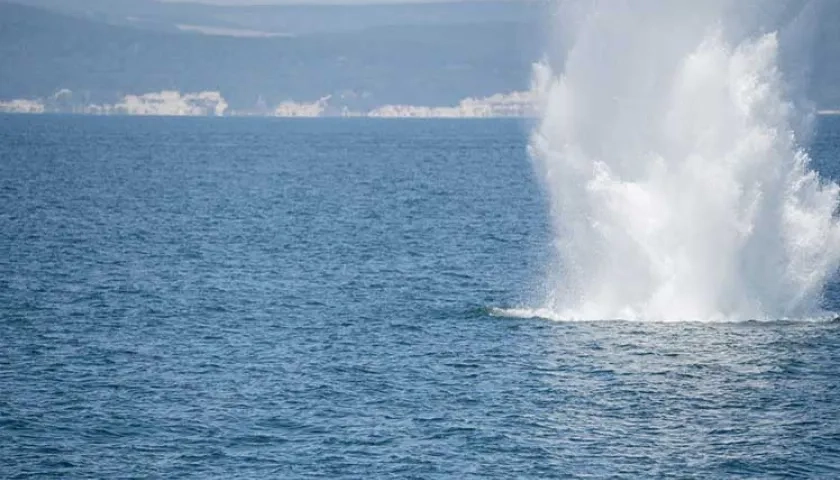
(679, 188)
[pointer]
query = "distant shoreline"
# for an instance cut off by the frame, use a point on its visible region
(260, 117)
(515, 105)
(821, 113)
(213, 104)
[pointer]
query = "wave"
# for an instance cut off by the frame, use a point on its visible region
(543, 313)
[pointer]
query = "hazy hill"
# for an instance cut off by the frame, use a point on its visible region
(365, 56)
(294, 19)
(42, 52)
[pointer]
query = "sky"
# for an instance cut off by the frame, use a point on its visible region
(300, 2)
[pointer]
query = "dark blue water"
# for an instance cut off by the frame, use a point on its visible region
(191, 298)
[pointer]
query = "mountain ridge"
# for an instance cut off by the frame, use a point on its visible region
(43, 52)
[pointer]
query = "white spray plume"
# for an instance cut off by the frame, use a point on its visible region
(679, 189)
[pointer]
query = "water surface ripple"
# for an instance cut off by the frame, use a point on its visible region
(272, 299)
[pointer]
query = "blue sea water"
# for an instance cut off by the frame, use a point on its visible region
(226, 298)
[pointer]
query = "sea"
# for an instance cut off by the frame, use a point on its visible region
(318, 298)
